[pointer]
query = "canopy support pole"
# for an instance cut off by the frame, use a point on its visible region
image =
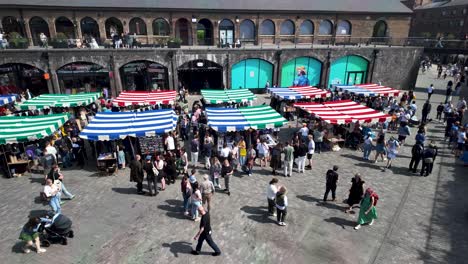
(6, 162)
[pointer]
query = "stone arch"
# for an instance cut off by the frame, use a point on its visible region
(380, 29)
(326, 27)
(183, 30)
(90, 28)
(288, 28)
(38, 25)
(10, 24)
(161, 27)
(113, 26)
(307, 27)
(247, 30)
(267, 27)
(65, 26)
(22, 76)
(144, 75)
(137, 26)
(204, 32)
(344, 27)
(83, 76)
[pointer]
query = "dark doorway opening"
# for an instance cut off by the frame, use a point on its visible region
(201, 74)
(17, 77)
(144, 76)
(204, 32)
(183, 31)
(78, 77)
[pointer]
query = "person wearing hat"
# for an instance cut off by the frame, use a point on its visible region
(429, 156)
(331, 181)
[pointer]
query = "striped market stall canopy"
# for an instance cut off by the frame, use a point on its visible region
(256, 117)
(118, 125)
(15, 129)
(380, 90)
(8, 98)
(294, 93)
(45, 101)
(351, 89)
(145, 98)
(227, 96)
(343, 112)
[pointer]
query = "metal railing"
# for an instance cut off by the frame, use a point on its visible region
(259, 42)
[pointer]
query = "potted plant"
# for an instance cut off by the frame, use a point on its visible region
(161, 42)
(60, 41)
(174, 43)
(16, 41)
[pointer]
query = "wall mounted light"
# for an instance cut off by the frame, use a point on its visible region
(194, 19)
(237, 19)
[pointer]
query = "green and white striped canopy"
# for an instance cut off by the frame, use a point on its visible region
(59, 100)
(227, 96)
(15, 129)
(262, 116)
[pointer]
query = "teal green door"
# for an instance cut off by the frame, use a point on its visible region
(355, 78)
(349, 67)
(311, 66)
(251, 74)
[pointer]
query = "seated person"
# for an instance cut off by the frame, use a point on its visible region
(30, 233)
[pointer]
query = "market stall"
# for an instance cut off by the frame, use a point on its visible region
(16, 129)
(355, 90)
(46, 101)
(227, 96)
(145, 98)
(119, 125)
(381, 90)
(8, 98)
(296, 93)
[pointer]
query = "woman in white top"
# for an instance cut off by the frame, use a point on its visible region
(234, 156)
(271, 196)
(159, 164)
(310, 151)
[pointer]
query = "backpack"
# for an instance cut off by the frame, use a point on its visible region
(376, 198)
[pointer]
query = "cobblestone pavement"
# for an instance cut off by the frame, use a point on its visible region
(421, 219)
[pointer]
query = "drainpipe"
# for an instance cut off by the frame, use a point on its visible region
(278, 63)
(374, 59)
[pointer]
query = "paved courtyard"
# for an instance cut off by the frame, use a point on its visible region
(421, 219)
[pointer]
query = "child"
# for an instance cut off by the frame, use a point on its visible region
(281, 205)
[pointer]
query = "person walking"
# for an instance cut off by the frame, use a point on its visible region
(448, 92)
(207, 190)
(430, 91)
(301, 156)
(242, 151)
(196, 199)
(416, 156)
(151, 176)
(204, 233)
(392, 150)
(426, 110)
(403, 132)
(428, 158)
(440, 110)
(318, 138)
(367, 146)
(136, 173)
(275, 161)
(215, 171)
(367, 212)
(288, 159)
(161, 177)
(281, 206)
(251, 154)
(355, 192)
(331, 181)
(194, 148)
(207, 151)
(226, 172)
(52, 191)
(310, 151)
(186, 189)
(271, 196)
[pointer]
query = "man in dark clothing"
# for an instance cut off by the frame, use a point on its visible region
(205, 234)
(47, 161)
(136, 173)
(332, 180)
(416, 156)
(429, 156)
(425, 111)
(440, 109)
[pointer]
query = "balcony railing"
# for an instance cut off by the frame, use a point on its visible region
(262, 42)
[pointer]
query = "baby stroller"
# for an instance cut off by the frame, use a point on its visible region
(55, 230)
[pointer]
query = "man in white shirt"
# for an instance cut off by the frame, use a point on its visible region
(170, 145)
(430, 91)
(310, 152)
(225, 151)
(304, 132)
(272, 189)
(51, 150)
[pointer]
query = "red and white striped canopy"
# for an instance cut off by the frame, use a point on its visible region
(381, 90)
(145, 98)
(345, 111)
(311, 92)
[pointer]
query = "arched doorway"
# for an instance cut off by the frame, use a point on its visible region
(226, 32)
(90, 28)
(113, 26)
(183, 31)
(65, 26)
(201, 74)
(17, 77)
(10, 24)
(204, 32)
(144, 76)
(380, 31)
(83, 76)
(137, 26)
(348, 70)
(251, 74)
(37, 26)
(291, 72)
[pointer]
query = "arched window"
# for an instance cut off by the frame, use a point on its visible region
(307, 28)
(226, 32)
(183, 31)
(326, 27)
(160, 27)
(138, 26)
(344, 28)
(37, 26)
(113, 26)
(287, 28)
(267, 28)
(204, 32)
(144, 75)
(90, 28)
(10, 24)
(380, 29)
(65, 26)
(247, 30)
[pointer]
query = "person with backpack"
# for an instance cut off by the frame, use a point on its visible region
(367, 212)
(428, 157)
(331, 181)
(416, 156)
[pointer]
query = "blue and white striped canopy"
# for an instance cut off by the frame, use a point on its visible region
(285, 93)
(6, 99)
(115, 125)
(355, 90)
(226, 119)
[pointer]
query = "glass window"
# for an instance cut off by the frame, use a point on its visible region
(247, 30)
(307, 28)
(344, 28)
(267, 28)
(287, 28)
(160, 27)
(138, 26)
(325, 27)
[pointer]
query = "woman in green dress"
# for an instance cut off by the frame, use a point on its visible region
(367, 213)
